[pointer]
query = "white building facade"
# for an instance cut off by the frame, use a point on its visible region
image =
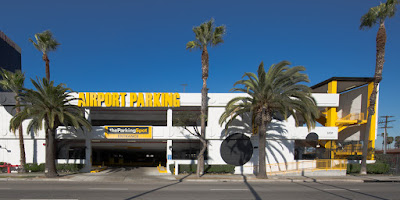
(141, 129)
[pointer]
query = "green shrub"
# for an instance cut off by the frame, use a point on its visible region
(34, 167)
(213, 169)
(63, 168)
(68, 168)
(376, 168)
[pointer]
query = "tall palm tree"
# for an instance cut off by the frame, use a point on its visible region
(390, 141)
(270, 93)
(51, 104)
(205, 35)
(14, 82)
(376, 15)
(45, 42)
(397, 142)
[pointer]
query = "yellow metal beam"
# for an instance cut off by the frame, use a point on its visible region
(331, 114)
(373, 121)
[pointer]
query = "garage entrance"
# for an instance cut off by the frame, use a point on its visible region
(136, 153)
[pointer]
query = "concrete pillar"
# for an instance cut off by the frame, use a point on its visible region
(169, 154)
(176, 168)
(169, 117)
(169, 122)
(87, 114)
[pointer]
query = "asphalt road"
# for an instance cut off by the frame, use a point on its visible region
(197, 190)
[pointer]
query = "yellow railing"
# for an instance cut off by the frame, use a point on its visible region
(319, 164)
(353, 116)
(350, 149)
(328, 164)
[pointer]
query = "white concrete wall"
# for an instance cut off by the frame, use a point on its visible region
(280, 140)
(9, 141)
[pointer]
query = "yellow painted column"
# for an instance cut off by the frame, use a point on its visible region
(331, 114)
(373, 121)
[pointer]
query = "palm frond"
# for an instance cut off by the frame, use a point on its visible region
(206, 34)
(51, 104)
(279, 90)
(378, 14)
(45, 42)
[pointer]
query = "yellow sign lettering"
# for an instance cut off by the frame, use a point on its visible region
(115, 99)
(123, 99)
(157, 100)
(93, 99)
(168, 99)
(100, 98)
(133, 99)
(177, 102)
(140, 101)
(81, 101)
(149, 100)
(108, 99)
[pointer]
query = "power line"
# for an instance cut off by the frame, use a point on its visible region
(184, 86)
(385, 120)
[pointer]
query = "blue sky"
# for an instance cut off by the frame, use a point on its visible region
(140, 45)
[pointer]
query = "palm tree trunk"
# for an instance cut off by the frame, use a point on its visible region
(204, 90)
(21, 143)
(380, 60)
(50, 166)
(262, 172)
(47, 61)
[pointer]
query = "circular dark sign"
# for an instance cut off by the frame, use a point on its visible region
(236, 149)
(312, 137)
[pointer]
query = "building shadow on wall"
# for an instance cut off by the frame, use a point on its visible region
(277, 142)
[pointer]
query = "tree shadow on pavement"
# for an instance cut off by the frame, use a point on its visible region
(341, 188)
(253, 192)
(162, 187)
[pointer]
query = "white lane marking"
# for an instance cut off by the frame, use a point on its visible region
(5, 188)
(49, 199)
(230, 189)
(108, 188)
(337, 189)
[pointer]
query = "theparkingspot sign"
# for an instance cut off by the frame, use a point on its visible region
(128, 132)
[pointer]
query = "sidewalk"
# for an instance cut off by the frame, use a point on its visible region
(98, 177)
(252, 178)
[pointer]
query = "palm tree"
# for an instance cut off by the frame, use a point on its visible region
(390, 141)
(270, 93)
(51, 104)
(205, 35)
(45, 42)
(14, 82)
(397, 142)
(374, 16)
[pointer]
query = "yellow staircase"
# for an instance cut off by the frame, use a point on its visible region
(350, 120)
(345, 122)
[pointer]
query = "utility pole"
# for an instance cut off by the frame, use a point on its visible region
(384, 124)
(184, 86)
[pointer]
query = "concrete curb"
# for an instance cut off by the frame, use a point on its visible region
(275, 180)
(34, 179)
(381, 181)
(207, 179)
